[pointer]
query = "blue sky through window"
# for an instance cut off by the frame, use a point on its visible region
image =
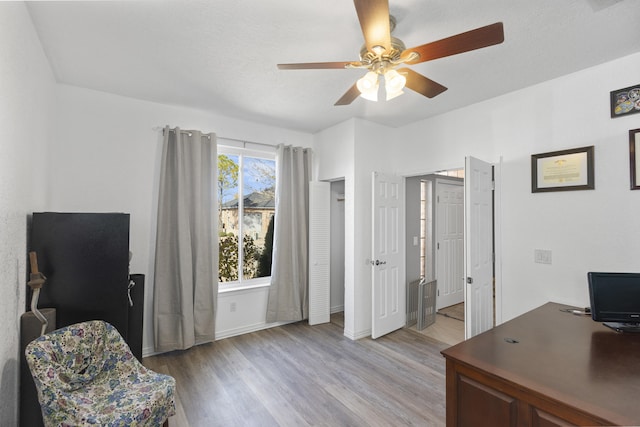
(258, 175)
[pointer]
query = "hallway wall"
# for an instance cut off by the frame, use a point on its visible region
(587, 230)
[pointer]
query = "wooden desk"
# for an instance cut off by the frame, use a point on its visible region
(564, 370)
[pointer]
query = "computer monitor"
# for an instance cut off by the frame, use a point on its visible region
(615, 300)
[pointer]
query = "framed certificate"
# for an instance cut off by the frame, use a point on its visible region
(563, 170)
(634, 147)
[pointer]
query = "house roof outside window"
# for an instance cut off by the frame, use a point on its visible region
(255, 200)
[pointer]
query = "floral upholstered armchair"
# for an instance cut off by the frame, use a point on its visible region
(85, 374)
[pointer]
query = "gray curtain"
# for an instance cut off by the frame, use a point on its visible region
(288, 293)
(186, 263)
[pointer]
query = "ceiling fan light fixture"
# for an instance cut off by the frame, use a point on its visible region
(391, 95)
(368, 86)
(371, 95)
(394, 81)
(378, 50)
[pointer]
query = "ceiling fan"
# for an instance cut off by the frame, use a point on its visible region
(383, 54)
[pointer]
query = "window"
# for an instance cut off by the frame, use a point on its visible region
(426, 230)
(246, 212)
(456, 173)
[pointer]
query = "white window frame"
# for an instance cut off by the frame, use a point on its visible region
(236, 148)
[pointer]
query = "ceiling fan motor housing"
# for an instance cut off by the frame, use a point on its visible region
(392, 56)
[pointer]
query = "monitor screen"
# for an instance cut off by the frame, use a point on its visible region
(615, 297)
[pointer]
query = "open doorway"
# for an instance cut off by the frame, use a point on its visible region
(337, 252)
(435, 246)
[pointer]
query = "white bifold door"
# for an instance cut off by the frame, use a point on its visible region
(319, 252)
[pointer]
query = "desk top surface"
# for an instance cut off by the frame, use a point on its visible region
(567, 357)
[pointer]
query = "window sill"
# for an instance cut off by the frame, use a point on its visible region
(244, 287)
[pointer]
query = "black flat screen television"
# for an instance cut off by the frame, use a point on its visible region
(615, 300)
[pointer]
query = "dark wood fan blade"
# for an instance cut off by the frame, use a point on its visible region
(316, 65)
(463, 42)
(349, 96)
(421, 84)
(374, 21)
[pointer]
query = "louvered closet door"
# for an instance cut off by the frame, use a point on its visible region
(319, 252)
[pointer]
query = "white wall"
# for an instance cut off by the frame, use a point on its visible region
(374, 143)
(585, 230)
(353, 150)
(334, 159)
(26, 100)
(106, 158)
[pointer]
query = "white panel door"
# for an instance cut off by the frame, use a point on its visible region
(450, 243)
(388, 275)
(319, 252)
(478, 185)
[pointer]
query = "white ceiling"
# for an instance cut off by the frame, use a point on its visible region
(221, 56)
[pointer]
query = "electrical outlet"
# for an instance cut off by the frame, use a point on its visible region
(542, 256)
(232, 306)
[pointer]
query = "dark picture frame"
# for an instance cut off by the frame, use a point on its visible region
(634, 161)
(625, 101)
(565, 170)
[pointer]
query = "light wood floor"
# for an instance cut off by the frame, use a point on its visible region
(446, 329)
(297, 375)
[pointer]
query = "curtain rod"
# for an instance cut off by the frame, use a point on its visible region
(242, 141)
(245, 142)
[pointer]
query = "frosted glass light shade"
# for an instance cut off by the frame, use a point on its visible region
(394, 83)
(368, 86)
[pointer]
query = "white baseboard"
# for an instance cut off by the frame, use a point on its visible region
(352, 335)
(148, 351)
(220, 335)
(337, 309)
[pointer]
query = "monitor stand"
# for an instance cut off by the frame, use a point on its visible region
(623, 327)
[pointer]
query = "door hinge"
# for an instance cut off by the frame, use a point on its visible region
(493, 185)
(438, 245)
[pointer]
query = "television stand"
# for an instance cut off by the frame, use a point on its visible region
(623, 327)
